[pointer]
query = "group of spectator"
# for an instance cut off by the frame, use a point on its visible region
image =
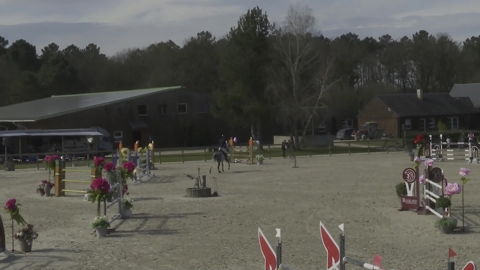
(287, 145)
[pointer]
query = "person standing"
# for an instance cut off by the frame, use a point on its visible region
(284, 148)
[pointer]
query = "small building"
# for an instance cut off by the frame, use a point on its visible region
(170, 116)
(421, 112)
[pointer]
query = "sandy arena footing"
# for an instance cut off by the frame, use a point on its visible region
(170, 231)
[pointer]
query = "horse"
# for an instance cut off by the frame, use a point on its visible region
(219, 157)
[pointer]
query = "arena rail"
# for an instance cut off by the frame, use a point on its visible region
(184, 154)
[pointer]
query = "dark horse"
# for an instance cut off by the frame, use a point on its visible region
(219, 157)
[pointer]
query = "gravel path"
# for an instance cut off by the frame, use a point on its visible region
(169, 231)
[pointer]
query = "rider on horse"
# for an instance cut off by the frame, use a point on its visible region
(223, 146)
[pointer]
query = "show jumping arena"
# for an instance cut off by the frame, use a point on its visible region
(170, 231)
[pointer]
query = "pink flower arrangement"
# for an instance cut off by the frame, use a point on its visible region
(100, 185)
(50, 161)
(11, 205)
(421, 179)
(98, 161)
(12, 208)
(109, 167)
(129, 166)
(99, 192)
(44, 182)
(452, 189)
(417, 161)
(464, 172)
(429, 163)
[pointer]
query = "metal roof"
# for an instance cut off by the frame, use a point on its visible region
(53, 106)
(471, 90)
(50, 132)
(430, 104)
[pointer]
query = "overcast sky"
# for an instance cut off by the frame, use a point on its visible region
(118, 24)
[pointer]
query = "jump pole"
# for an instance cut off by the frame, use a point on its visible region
(344, 259)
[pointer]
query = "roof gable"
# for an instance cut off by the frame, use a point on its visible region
(471, 90)
(65, 104)
(431, 104)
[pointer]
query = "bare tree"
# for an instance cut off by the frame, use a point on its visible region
(301, 72)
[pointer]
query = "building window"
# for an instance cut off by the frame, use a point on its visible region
(453, 123)
(347, 123)
(142, 110)
(322, 128)
(182, 108)
(423, 124)
(431, 124)
(408, 124)
(117, 136)
(162, 108)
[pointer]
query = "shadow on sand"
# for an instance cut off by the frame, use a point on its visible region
(161, 220)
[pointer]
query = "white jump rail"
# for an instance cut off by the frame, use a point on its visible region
(429, 195)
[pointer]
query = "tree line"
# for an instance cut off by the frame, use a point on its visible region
(258, 72)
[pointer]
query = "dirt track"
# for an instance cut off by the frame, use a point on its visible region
(170, 231)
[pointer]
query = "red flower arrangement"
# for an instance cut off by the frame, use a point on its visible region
(98, 162)
(109, 167)
(50, 161)
(12, 208)
(418, 141)
(129, 166)
(99, 192)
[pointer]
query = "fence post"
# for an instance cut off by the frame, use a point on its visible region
(159, 156)
(183, 160)
(330, 150)
(368, 146)
(349, 152)
(38, 164)
(205, 154)
(310, 150)
(58, 177)
(269, 154)
(88, 159)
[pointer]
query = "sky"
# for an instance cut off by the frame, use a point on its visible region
(115, 25)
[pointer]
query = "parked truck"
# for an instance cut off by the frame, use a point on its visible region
(370, 131)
